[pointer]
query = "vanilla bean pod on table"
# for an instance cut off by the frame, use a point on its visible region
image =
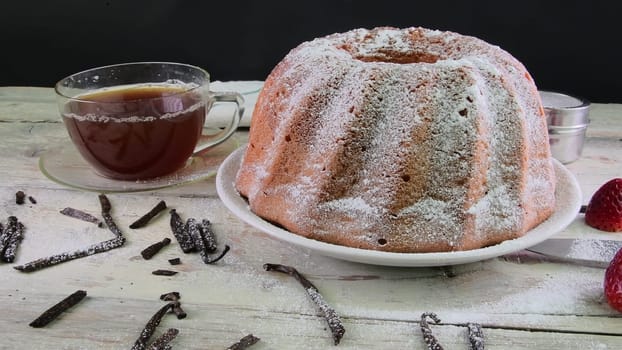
(204, 244)
(50, 314)
(144, 220)
(161, 272)
(183, 237)
(333, 320)
(106, 208)
(7, 232)
(68, 256)
(153, 249)
(208, 242)
(81, 215)
(178, 311)
(222, 255)
(100, 247)
(209, 238)
(429, 339)
(150, 327)
(154, 321)
(196, 237)
(244, 343)
(10, 238)
(174, 297)
(193, 229)
(19, 197)
(476, 336)
(170, 296)
(163, 341)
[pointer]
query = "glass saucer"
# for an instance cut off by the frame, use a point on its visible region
(64, 165)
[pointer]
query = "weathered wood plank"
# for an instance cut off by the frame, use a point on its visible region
(526, 305)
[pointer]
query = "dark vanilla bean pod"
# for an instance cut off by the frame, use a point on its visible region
(428, 337)
(81, 215)
(333, 320)
(476, 336)
(209, 238)
(183, 238)
(193, 228)
(64, 257)
(150, 327)
(204, 240)
(50, 314)
(170, 296)
(7, 233)
(331, 316)
(106, 208)
(10, 238)
(16, 238)
(153, 249)
(162, 342)
(222, 255)
(144, 220)
(178, 311)
(244, 343)
(19, 197)
(195, 231)
(174, 297)
(161, 272)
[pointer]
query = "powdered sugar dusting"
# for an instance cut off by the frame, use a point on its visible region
(569, 288)
(408, 140)
(596, 249)
(351, 204)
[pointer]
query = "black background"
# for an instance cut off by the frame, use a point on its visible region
(574, 47)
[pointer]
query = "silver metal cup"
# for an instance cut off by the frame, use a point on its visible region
(567, 118)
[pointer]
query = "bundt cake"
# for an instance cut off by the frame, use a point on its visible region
(402, 140)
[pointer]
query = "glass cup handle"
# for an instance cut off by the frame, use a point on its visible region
(224, 134)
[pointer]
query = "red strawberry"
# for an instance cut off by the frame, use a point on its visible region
(604, 211)
(613, 282)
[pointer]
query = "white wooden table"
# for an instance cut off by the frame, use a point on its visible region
(526, 304)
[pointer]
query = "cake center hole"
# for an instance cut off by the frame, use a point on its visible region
(392, 56)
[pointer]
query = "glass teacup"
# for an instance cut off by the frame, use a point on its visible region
(138, 121)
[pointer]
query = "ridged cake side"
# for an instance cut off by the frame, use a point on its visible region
(400, 140)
